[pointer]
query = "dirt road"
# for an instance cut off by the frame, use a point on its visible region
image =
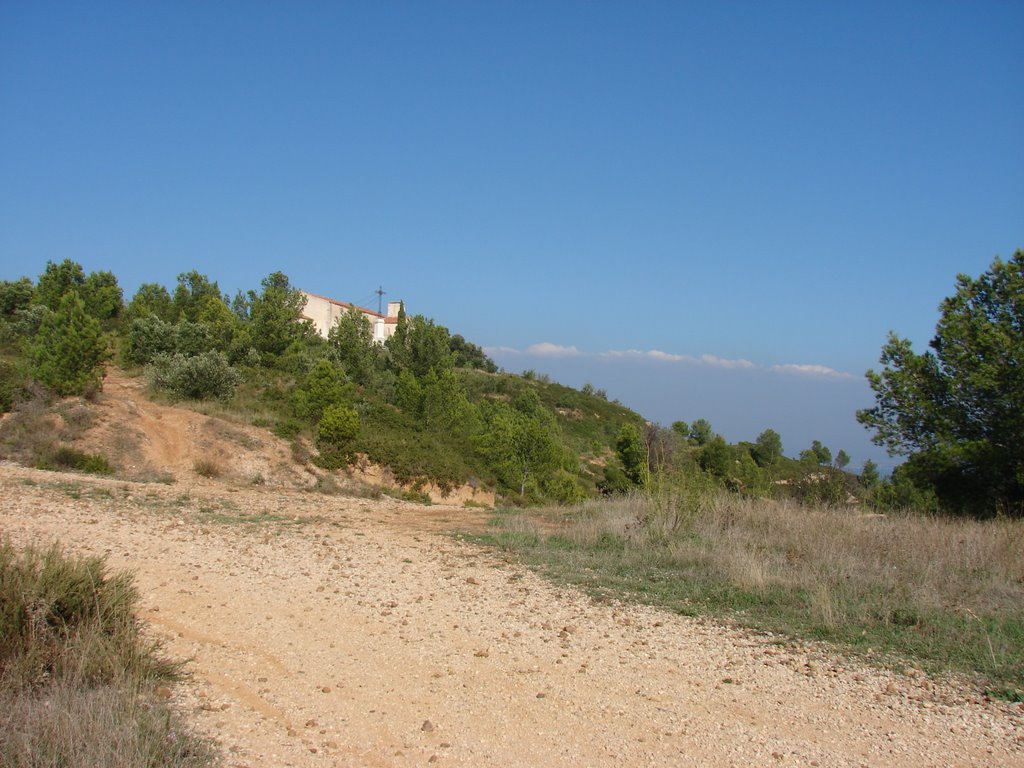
(330, 631)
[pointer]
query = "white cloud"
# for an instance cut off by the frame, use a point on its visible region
(501, 351)
(810, 370)
(721, 362)
(547, 349)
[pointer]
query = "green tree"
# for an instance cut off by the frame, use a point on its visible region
(351, 339)
(469, 355)
(767, 448)
(816, 454)
(842, 459)
(14, 295)
(716, 457)
(151, 299)
(338, 428)
(445, 405)
(701, 432)
(325, 386)
(632, 452)
(869, 476)
(419, 344)
(958, 409)
(521, 448)
(68, 352)
(56, 280)
(194, 290)
(275, 316)
(682, 429)
(103, 297)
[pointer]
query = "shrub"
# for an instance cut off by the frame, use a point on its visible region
(66, 457)
(207, 376)
(149, 337)
(77, 675)
(209, 468)
(338, 427)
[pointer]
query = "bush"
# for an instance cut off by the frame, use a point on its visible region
(207, 376)
(149, 337)
(66, 457)
(339, 426)
(77, 675)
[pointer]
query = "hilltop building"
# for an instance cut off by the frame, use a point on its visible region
(324, 313)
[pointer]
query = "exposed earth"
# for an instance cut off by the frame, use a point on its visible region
(327, 630)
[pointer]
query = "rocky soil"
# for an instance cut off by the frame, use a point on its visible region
(331, 631)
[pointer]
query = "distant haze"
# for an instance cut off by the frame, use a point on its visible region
(740, 400)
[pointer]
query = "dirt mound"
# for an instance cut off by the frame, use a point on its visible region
(150, 441)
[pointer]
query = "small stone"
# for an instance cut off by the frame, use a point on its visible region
(433, 759)
(471, 580)
(311, 723)
(542, 695)
(483, 654)
(427, 726)
(777, 755)
(325, 689)
(163, 692)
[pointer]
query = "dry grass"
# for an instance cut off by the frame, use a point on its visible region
(78, 683)
(946, 592)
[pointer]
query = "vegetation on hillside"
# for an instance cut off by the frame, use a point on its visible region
(433, 407)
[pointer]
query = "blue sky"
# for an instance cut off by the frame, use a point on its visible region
(709, 209)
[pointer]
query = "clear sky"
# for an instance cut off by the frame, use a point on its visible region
(709, 209)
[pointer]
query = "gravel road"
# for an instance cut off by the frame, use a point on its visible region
(331, 631)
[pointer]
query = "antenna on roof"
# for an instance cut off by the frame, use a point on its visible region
(380, 298)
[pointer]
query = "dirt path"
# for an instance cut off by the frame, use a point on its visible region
(328, 631)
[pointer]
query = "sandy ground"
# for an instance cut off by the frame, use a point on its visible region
(330, 631)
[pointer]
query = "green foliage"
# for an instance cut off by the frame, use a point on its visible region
(869, 476)
(682, 429)
(469, 355)
(151, 299)
(767, 448)
(445, 406)
(192, 293)
(522, 447)
(325, 386)
(65, 457)
(68, 352)
(56, 280)
(351, 339)
(716, 457)
(147, 338)
(103, 297)
(842, 459)
(701, 432)
(274, 316)
(958, 409)
(14, 295)
(206, 376)
(633, 454)
(339, 427)
(419, 345)
(816, 454)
